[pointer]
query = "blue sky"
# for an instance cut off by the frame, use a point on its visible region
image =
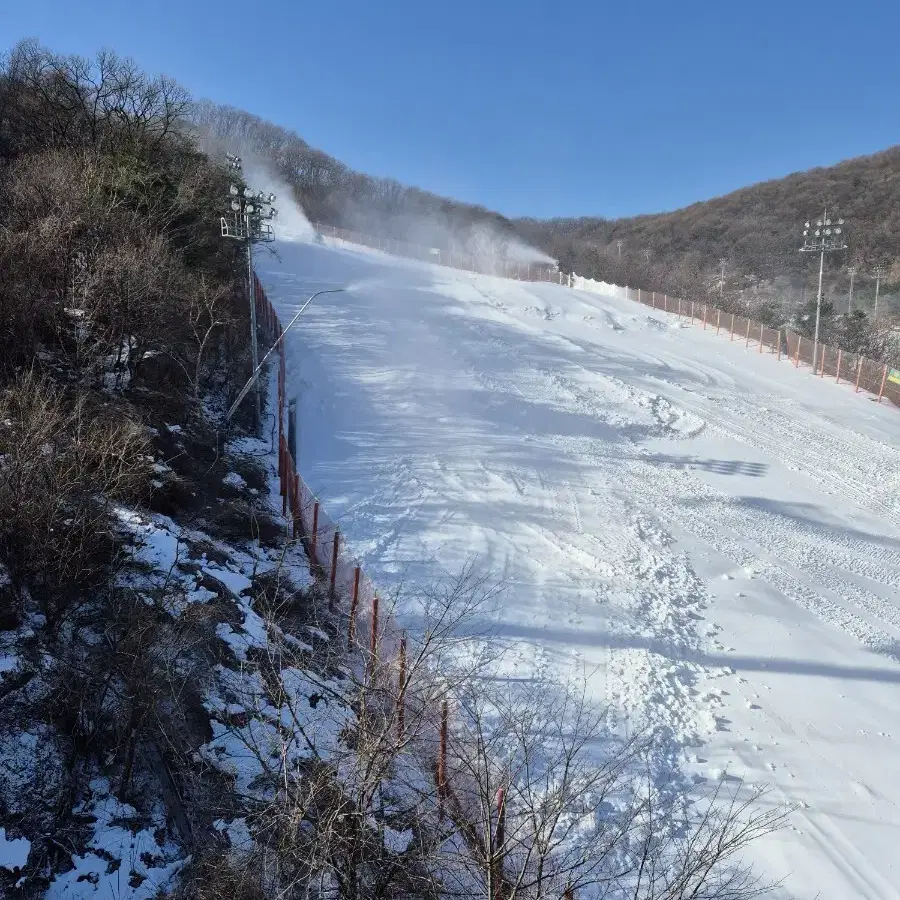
(529, 107)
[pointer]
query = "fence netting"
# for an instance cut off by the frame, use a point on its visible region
(867, 375)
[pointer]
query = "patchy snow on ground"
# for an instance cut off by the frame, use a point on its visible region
(13, 851)
(122, 860)
(233, 479)
(253, 740)
(712, 534)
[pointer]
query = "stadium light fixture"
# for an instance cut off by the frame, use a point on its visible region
(828, 237)
(251, 213)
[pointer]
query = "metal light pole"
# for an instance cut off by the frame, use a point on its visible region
(250, 222)
(851, 271)
(825, 238)
(619, 245)
(252, 380)
(722, 263)
(879, 272)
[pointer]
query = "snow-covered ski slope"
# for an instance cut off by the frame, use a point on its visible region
(713, 534)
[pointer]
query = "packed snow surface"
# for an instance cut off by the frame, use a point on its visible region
(711, 534)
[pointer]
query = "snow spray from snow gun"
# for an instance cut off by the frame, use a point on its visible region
(365, 283)
(252, 380)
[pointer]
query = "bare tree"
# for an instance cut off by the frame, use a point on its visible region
(64, 463)
(547, 803)
(524, 792)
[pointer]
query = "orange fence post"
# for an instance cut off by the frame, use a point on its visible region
(401, 688)
(778, 338)
(334, 559)
(858, 374)
(797, 360)
(838, 377)
(315, 534)
(284, 479)
(442, 754)
(373, 634)
(883, 382)
(354, 602)
(499, 839)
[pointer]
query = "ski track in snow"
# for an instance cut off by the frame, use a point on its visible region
(712, 536)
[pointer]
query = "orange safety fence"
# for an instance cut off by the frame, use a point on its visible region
(350, 588)
(369, 629)
(866, 375)
(311, 524)
(830, 362)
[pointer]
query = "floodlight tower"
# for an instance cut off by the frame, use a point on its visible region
(250, 221)
(825, 237)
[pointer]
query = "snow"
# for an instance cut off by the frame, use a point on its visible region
(238, 833)
(158, 542)
(712, 534)
(234, 480)
(8, 663)
(251, 636)
(121, 859)
(236, 582)
(397, 841)
(13, 851)
(253, 750)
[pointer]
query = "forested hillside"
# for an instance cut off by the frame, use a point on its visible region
(334, 194)
(756, 231)
(751, 237)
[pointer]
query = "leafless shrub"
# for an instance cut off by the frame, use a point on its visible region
(535, 798)
(547, 803)
(64, 463)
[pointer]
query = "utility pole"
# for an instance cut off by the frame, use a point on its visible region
(851, 271)
(722, 263)
(250, 222)
(825, 238)
(879, 274)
